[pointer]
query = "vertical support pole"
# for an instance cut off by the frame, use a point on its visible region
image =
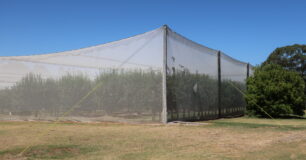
(248, 70)
(164, 74)
(246, 86)
(219, 84)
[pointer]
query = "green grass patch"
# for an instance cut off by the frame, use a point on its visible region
(49, 151)
(257, 125)
(2, 132)
(136, 156)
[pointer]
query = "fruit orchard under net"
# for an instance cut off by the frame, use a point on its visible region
(158, 76)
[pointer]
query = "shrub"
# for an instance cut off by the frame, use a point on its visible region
(275, 91)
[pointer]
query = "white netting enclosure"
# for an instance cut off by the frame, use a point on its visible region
(157, 76)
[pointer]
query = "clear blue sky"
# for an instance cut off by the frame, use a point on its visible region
(245, 30)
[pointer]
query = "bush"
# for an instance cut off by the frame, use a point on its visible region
(275, 91)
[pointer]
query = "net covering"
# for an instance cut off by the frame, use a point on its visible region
(233, 75)
(117, 81)
(192, 85)
(157, 76)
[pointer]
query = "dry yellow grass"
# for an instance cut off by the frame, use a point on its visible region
(240, 138)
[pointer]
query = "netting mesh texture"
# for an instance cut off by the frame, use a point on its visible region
(126, 80)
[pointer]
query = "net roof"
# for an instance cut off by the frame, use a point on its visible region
(143, 51)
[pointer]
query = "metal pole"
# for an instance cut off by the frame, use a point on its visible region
(246, 86)
(248, 70)
(164, 74)
(219, 84)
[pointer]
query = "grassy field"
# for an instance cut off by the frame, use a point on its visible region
(238, 138)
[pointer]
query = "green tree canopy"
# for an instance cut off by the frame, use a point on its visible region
(275, 91)
(290, 57)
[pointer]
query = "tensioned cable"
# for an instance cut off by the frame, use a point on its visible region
(44, 57)
(78, 66)
(239, 90)
(259, 106)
